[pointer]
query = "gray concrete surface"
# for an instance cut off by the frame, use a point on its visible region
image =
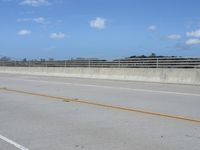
(39, 123)
(162, 75)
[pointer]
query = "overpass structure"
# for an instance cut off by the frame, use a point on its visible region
(50, 105)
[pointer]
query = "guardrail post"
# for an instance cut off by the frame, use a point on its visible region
(157, 63)
(89, 63)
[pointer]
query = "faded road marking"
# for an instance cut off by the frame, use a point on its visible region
(13, 143)
(105, 105)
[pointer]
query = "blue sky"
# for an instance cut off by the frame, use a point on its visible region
(99, 28)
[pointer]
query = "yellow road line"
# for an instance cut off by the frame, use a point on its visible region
(104, 105)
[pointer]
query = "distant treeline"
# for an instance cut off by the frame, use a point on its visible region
(152, 55)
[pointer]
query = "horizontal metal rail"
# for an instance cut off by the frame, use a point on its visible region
(120, 63)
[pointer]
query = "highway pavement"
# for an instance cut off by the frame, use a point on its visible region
(55, 113)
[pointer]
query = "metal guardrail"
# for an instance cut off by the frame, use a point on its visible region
(120, 63)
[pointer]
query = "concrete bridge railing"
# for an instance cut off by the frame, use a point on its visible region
(162, 75)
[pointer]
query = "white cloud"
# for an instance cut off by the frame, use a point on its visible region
(152, 28)
(193, 41)
(98, 23)
(24, 32)
(39, 20)
(58, 35)
(35, 3)
(194, 33)
(175, 37)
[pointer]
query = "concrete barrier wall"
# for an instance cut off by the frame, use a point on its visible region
(163, 75)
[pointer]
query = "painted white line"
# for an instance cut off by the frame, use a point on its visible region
(102, 86)
(13, 143)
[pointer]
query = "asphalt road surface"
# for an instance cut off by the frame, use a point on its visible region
(53, 113)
